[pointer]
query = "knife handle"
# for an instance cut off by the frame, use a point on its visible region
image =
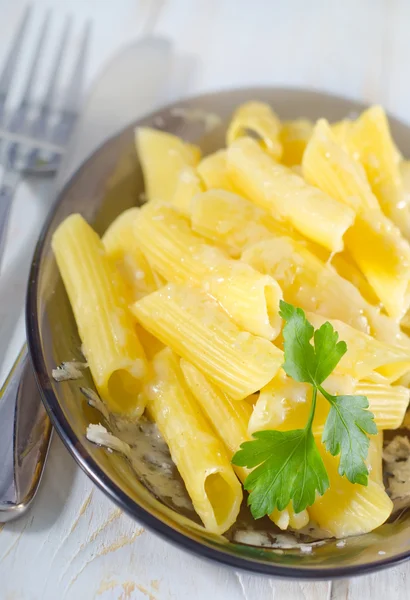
(25, 435)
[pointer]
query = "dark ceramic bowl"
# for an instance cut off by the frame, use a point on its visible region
(108, 183)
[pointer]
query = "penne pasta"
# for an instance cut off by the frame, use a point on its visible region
(284, 404)
(122, 248)
(197, 329)
(349, 509)
(231, 221)
(294, 136)
(376, 245)
(250, 298)
(306, 281)
(110, 343)
(286, 195)
(214, 172)
(230, 421)
(163, 156)
(188, 185)
(258, 119)
(196, 451)
(366, 356)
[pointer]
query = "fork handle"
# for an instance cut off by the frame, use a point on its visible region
(8, 188)
(25, 434)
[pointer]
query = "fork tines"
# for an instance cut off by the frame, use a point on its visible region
(47, 125)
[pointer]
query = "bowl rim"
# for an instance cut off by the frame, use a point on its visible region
(75, 445)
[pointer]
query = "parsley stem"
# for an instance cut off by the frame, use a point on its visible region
(324, 393)
(312, 409)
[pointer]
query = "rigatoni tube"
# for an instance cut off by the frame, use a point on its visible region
(199, 330)
(250, 298)
(286, 195)
(230, 421)
(105, 325)
(196, 451)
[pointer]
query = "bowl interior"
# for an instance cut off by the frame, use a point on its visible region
(110, 182)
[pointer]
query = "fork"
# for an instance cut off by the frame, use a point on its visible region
(32, 140)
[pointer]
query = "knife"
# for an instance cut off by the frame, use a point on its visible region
(133, 83)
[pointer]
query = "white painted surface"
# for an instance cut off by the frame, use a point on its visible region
(75, 543)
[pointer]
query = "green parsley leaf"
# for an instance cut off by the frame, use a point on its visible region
(328, 352)
(303, 362)
(290, 468)
(345, 433)
(300, 359)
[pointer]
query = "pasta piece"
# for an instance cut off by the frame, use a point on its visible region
(287, 196)
(231, 221)
(250, 298)
(294, 136)
(366, 356)
(196, 451)
(284, 404)
(387, 402)
(230, 421)
(106, 328)
(383, 255)
(163, 156)
(122, 248)
(369, 142)
(214, 173)
(306, 281)
(189, 184)
(375, 244)
(197, 329)
(350, 509)
(259, 119)
(329, 167)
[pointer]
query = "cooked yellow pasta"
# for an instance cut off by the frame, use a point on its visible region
(286, 195)
(122, 248)
(193, 325)
(214, 172)
(349, 509)
(197, 452)
(366, 356)
(250, 298)
(231, 221)
(230, 419)
(284, 404)
(179, 308)
(110, 342)
(259, 119)
(294, 136)
(188, 185)
(307, 281)
(375, 243)
(163, 156)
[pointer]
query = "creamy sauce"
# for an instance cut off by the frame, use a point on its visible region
(69, 371)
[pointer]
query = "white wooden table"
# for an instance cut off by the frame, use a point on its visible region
(75, 543)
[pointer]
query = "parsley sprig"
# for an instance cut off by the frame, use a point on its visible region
(287, 465)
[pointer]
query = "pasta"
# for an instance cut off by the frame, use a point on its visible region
(251, 299)
(110, 343)
(197, 329)
(375, 243)
(230, 421)
(198, 454)
(163, 158)
(199, 308)
(283, 193)
(122, 248)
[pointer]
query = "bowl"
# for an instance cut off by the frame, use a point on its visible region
(107, 184)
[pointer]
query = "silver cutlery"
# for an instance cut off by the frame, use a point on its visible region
(33, 140)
